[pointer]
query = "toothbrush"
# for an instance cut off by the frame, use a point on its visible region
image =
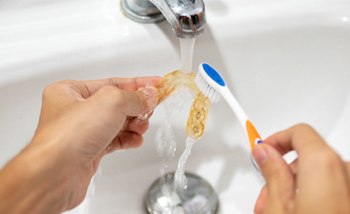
(212, 85)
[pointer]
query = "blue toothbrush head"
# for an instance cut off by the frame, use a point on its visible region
(213, 74)
(210, 82)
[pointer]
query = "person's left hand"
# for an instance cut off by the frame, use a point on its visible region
(317, 181)
(80, 122)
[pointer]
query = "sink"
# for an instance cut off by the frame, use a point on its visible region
(286, 61)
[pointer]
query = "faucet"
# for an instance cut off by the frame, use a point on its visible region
(187, 17)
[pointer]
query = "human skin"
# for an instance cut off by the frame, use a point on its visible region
(80, 122)
(318, 181)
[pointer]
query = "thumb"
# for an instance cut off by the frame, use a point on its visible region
(279, 179)
(129, 103)
(140, 102)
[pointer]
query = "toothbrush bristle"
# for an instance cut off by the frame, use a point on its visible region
(206, 89)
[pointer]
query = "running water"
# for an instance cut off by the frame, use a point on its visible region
(165, 136)
(166, 144)
(180, 180)
(187, 48)
(174, 193)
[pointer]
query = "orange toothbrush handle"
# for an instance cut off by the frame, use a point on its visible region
(253, 135)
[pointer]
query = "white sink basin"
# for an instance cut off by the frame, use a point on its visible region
(286, 61)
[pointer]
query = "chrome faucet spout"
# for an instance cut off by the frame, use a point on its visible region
(187, 17)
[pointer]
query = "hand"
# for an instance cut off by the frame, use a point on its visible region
(80, 122)
(316, 182)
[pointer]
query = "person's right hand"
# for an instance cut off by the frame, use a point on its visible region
(80, 122)
(318, 181)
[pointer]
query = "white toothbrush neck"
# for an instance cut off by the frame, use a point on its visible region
(235, 106)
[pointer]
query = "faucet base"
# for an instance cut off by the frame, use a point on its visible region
(153, 15)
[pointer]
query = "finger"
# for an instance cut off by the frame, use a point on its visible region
(347, 166)
(318, 166)
(325, 170)
(315, 158)
(128, 84)
(137, 125)
(261, 201)
(125, 140)
(302, 138)
(279, 178)
(127, 103)
(294, 166)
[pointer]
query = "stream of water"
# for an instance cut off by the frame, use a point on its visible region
(180, 180)
(187, 49)
(165, 137)
(176, 193)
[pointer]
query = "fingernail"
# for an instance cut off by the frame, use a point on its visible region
(260, 154)
(151, 94)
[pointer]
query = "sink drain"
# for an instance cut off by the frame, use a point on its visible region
(198, 198)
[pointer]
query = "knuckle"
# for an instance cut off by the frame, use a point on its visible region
(56, 87)
(303, 126)
(65, 82)
(138, 142)
(48, 90)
